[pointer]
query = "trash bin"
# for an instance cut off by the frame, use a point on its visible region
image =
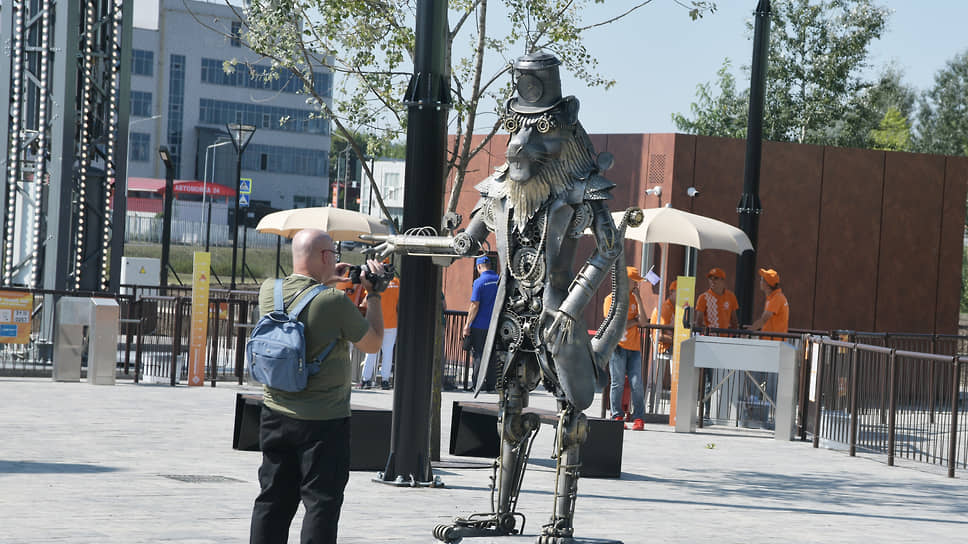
(71, 320)
(96, 321)
(102, 344)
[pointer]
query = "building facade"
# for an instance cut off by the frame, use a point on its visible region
(182, 97)
(864, 240)
(388, 174)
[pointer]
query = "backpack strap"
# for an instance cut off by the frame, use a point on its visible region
(278, 304)
(294, 313)
(322, 355)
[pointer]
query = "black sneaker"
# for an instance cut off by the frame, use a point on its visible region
(365, 384)
(385, 385)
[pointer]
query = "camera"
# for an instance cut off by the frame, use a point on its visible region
(379, 281)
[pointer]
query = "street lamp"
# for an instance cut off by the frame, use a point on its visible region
(166, 218)
(241, 135)
(208, 217)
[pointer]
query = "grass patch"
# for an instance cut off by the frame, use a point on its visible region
(260, 261)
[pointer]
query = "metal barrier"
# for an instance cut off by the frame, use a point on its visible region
(457, 360)
(884, 400)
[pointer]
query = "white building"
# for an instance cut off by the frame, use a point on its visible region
(388, 174)
(182, 98)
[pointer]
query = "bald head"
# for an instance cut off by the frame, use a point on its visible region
(312, 253)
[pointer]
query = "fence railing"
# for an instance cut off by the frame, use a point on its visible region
(885, 400)
(149, 230)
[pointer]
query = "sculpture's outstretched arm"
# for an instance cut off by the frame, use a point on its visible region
(418, 242)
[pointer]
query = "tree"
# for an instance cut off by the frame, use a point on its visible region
(369, 46)
(894, 133)
(943, 111)
(815, 92)
(723, 115)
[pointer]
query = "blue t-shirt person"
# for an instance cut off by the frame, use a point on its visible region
(484, 292)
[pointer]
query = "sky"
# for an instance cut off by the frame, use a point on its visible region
(659, 56)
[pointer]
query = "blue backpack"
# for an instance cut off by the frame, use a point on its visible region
(276, 351)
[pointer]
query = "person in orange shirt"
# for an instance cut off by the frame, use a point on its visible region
(776, 314)
(717, 306)
(388, 303)
(627, 358)
(659, 371)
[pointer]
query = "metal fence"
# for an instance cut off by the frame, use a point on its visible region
(888, 401)
(149, 230)
(154, 332)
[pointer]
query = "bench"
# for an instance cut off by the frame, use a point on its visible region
(369, 443)
(473, 433)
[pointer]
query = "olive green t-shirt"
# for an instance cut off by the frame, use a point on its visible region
(331, 315)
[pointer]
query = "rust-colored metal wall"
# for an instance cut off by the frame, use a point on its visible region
(862, 239)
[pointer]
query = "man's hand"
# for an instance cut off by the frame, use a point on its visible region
(341, 274)
(375, 267)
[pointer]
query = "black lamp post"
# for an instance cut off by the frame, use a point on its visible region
(749, 203)
(241, 135)
(166, 218)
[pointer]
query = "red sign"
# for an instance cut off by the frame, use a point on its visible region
(200, 187)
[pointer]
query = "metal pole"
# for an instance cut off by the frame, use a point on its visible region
(235, 218)
(749, 204)
(166, 218)
(427, 99)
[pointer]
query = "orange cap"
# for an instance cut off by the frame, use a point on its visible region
(770, 276)
(672, 286)
(716, 273)
(634, 273)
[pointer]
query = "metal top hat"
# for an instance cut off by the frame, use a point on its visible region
(538, 83)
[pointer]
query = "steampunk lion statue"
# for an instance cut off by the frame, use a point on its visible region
(538, 205)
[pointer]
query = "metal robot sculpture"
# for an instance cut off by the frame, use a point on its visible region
(538, 205)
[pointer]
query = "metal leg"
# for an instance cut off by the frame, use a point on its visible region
(572, 432)
(517, 431)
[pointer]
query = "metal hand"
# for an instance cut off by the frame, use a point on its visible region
(560, 331)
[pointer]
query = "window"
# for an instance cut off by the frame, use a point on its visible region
(286, 160)
(142, 62)
(303, 201)
(140, 104)
(219, 112)
(140, 146)
(236, 40)
(250, 77)
(391, 185)
(176, 99)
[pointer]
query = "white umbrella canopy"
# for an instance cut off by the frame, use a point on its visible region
(342, 225)
(672, 226)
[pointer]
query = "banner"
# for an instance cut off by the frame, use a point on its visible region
(685, 291)
(15, 308)
(199, 328)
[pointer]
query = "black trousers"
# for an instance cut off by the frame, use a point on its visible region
(301, 460)
(478, 338)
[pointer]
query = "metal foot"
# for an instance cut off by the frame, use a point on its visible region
(478, 525)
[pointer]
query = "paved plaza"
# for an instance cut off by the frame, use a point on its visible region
(150, 463)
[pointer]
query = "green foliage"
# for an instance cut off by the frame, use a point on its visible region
(893, 134)
(964, 284)
(369, 46)
(943, 111)
(721, 115)
(815, 92)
